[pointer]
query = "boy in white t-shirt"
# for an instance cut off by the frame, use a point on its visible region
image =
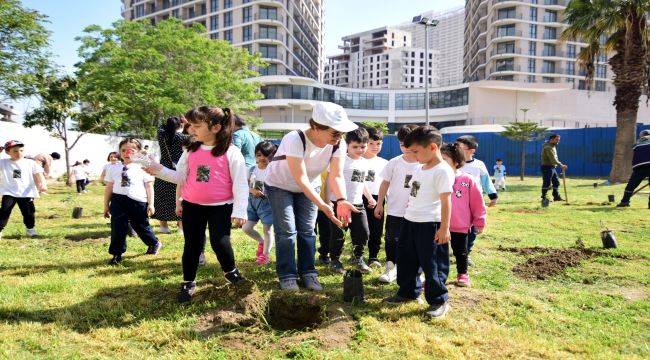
(425, 234)
(20, 182)
(376, 165)
(355, 171)
(396, 182)
(500, 175)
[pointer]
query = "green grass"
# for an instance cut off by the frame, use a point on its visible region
(59, 299)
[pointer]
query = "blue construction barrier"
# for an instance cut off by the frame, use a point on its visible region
(587, 151)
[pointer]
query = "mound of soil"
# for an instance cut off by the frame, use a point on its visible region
(248, 304)
(524, 251)
(295, 310)
(551, 264)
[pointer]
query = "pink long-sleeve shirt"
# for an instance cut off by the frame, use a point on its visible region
(467, 207)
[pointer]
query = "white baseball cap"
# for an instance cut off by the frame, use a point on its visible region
(332, 115)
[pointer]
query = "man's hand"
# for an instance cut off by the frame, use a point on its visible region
(328, 210)
(107, 213)
(564, 167)
(442, 237)
(379, 211)
(344, 210)
(238, 222)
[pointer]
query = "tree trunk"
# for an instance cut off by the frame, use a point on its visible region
(625, 136)
(523, 161)
(67, 156)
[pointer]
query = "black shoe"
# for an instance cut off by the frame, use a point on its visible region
(545, 202)
(187, 290)
(623, 204)
(153, 250)
(234, 276)
(396, 299)
(115, 260)
(557, 198)
(324, 260)
(337, 266)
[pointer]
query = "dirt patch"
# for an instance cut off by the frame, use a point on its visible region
(525, 250)
(553, 263)
(248, 305)
(295, 310)
(528, 211)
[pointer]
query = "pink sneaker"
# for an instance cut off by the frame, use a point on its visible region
(263, 259)
(462, 280)
(260, 250)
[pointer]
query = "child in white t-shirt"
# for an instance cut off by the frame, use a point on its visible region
(128, 198)
(355, 171)
(500, 175)
(113, 160)
(78, 172)
(259, 208)
(425, 234)
(396, 183)
(21, 180)
(376, 165)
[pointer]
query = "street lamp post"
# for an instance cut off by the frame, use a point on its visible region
(525, 111)
(427, 22)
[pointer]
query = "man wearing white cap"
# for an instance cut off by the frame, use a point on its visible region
(293, 184)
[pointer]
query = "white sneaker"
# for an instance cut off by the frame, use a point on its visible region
(422, 278)
(180, 231)
(32, 232)
(164, 230)
(0, 235)
(390, 274)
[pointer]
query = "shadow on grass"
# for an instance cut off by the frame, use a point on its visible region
(89, 235)
(522, 188)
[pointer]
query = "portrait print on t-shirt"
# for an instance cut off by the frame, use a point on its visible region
(407, 180)
(371, 176)
(258, 185)
(203, 173)
(126, 182)
(357, 176)
(17, 174)
(415, 187)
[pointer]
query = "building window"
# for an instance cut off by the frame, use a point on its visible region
(550, 16)
(549, 50)
(227, 19)
(570, 68)
(571, 51)
(506, 48)
(550, 33)
(176, 13)
(227, 4)
(532, 48)
(214, 5)
(600, 86)
(268, 13)
(505, 65)
(227, 35)
(246, 14)
(248, 47)
(532, 32)
(247, 33)
(531, 78)
(548, 80)
(214, 36)
(531, 65)
(214, 22)
(268, 32)
(269, 51)
(508, 13)
(508, 30)
(139, 11)
(533, 14)
(272, 69)
(601, 71)
(548, 67)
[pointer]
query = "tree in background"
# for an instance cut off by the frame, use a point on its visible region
(523, 132)
(138, 73)
(58, 109)
(377, 125)
(618, 28)
(24, 60)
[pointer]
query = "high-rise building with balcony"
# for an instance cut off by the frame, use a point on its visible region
(519, 40)
(287, 33)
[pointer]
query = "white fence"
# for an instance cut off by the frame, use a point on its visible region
(93, 147)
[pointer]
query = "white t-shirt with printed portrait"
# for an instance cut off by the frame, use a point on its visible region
(354, 173)
(375, 166)
(257, 178)
(17, 177)
(426, 187)
(398, 172)
(130, 182)
(316, 160)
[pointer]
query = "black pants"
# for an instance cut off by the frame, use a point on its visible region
(323, 232)
(81, 185)
(376, 227)
(638, 175)
(125, 211)
(549, 177)
(26, 206)
(418, 250)
(459, 246)
(217, 219)
(358, 232)
(471, 238)
(393, 225)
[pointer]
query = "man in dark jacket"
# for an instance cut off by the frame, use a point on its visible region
(549, 162)
(640, 167)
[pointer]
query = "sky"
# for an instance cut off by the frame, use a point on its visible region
(68, 18)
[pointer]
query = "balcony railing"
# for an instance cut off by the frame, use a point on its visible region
(555, 70)
(278, 37)
(548, 36)
(501, 34)
(276, 17)
(504, 52)
(278, 56)
(505, 68)
(498, 17)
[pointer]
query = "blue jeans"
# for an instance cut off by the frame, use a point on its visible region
(294, 218)
(549, 177)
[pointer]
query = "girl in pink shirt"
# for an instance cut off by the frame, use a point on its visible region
(212, 181)
(467, 210)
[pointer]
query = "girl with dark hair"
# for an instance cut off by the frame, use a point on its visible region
(171, 140)
(80, 175)
(113, 159)
(211, 178)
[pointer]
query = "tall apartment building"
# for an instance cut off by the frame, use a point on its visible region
(446, 39)
(519, 40)
(382, 58)
(288, 33)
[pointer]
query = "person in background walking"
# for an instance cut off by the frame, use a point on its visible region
(500, 175)
(549, 163)
(170, 139)
(45, 160)
(80, 175)
(245, 140)
(640, 167)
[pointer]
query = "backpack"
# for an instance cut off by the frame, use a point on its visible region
(303, 139)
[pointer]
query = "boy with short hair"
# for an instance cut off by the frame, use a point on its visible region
(21, 180)
(355, 170)
(396, 180)
(376, 165)
(500, 175)
(425, 234)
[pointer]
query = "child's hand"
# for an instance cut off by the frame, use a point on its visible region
(42, 190)
(179, 209)
(479, 230)
(238, 222)
(379, 211)
(256, 193)
(153, 169)
(150, 210)
(372, 203)
(442, 236)
(492, 202)
(107, 213)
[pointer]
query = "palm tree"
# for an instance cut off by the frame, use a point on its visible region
(619, 28)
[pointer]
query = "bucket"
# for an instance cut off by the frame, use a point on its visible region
(608, 238)
(595, 185)
(353, 286)
(611, 198)
(77, 212)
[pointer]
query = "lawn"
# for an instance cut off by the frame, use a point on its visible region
(59, 298)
